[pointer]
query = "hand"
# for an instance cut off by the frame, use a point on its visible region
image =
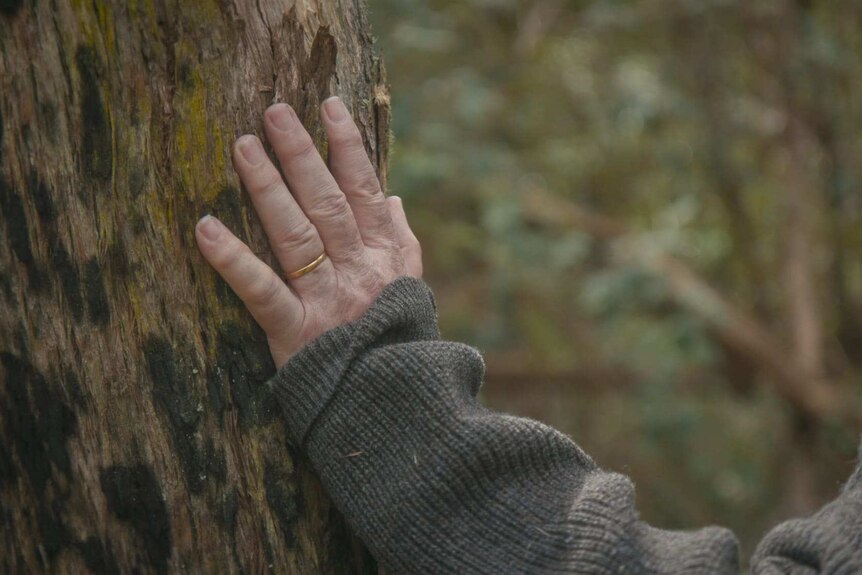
(341, 212)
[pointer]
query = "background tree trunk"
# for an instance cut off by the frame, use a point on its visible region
(136, 434)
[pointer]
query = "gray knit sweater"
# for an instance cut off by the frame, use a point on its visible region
(435, 483)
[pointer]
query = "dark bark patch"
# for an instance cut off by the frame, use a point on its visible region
(38, 279)
(216, 392)
(281, 497)
(227, 510)
(10, 7)
(37, 422)
(17, 228)
(42, 200)
(6, 289)
(226, 518)
(135, 497)
(118, 260)
(98, 308)
(216, 461)
(70, 281)
(98, 557)
(172, 397)
(228, 207)
(185, 74)
(8, 475)
(48, 112)
(138, 223)
(96, 147)
(244, 360)
(54, 535)
(227, 296)
(269, 553)
(73, 384)
(137, 180)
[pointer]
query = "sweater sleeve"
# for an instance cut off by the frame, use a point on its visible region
(830, 541)
(435, 483)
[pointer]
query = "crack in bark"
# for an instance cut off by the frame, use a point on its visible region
(271, 49)
(382, 118)
(168, 26)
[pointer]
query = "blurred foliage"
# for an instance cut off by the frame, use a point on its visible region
(723, 133)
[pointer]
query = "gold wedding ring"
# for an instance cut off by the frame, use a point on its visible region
(307, 269)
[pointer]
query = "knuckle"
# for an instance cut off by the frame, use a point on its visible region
(227, 257)
(352, 256)
(301, 148)
(347, 135)
(367, 187)
(354, 251)
(301, 238)
(264, 291)
(268, 183)
(331, 207)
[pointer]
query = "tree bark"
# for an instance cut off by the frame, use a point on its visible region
(136, 434)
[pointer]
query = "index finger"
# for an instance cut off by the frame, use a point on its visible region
(275, 308)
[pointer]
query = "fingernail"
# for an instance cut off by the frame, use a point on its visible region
(251, 150)
(335, 109)
(281, 116)
(210, 228)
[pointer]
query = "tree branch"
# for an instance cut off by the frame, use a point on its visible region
(814, 399)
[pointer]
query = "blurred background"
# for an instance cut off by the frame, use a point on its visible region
(647, 215)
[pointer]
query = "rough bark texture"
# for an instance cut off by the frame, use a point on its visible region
(135, 432)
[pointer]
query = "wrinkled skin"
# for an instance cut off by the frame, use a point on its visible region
(339, 209)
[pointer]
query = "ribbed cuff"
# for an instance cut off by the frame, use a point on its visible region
(404, 311)
(855, 481)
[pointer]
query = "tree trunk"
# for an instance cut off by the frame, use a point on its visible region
(136, 434)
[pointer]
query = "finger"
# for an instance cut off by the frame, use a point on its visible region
(313, 186)
(293, 239)
(356, 176)
(411, 250)
(267, 297)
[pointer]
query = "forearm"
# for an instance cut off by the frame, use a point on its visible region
(435, 483)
